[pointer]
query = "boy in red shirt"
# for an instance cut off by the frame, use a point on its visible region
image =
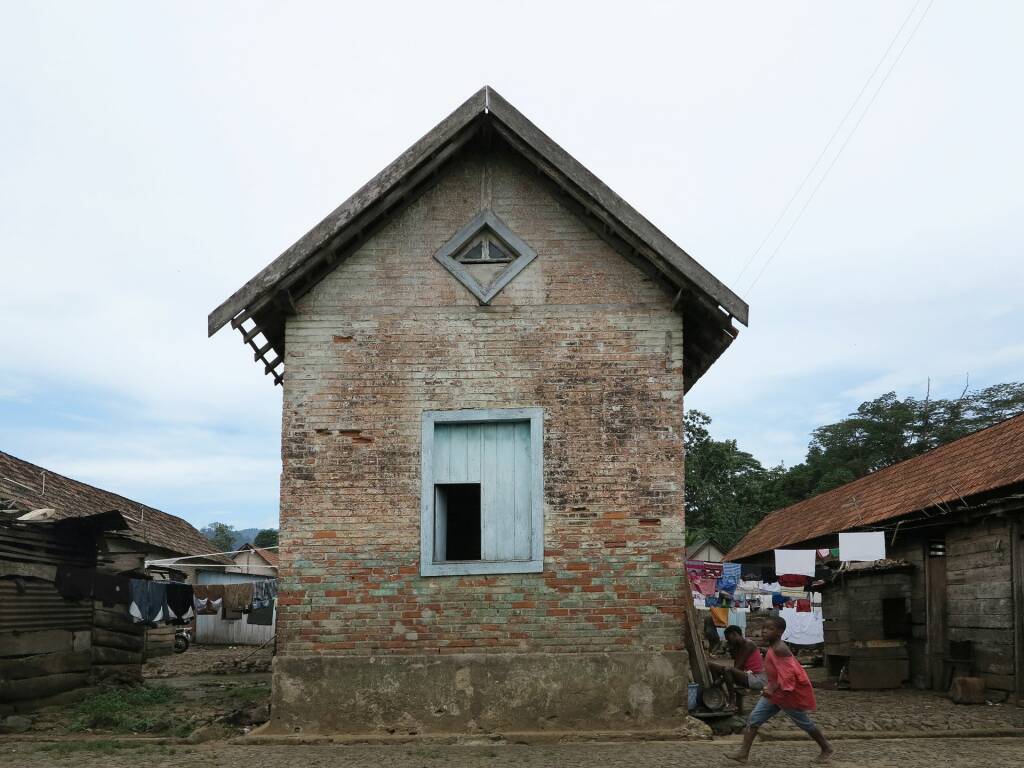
(788, 689)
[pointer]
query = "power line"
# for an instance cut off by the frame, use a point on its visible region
(832, 138)
(846, 141)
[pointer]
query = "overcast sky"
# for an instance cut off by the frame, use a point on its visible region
(153, 157)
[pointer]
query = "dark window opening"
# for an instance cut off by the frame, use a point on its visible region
(458, 508)
(896, 624)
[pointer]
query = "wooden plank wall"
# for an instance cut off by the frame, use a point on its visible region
(117, 643)
(980, 605)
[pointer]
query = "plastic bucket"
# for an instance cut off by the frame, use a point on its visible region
(692, 696)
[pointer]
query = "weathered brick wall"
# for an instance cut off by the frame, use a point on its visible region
(389, 334)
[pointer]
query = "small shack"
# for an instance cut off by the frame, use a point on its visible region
(707, 550)
(51, 645)
(250, 564)
(483, 355)
(948, 597)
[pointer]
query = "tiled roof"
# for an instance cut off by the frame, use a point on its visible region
(270, 555)
(31, 487)
(984, 461)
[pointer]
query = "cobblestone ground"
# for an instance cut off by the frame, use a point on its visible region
(899, 710)
(911, 753)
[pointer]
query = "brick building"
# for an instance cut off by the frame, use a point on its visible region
(483, 353)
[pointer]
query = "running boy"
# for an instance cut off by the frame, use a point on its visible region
(788, 689)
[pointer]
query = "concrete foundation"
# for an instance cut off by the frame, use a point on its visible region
(478, 693)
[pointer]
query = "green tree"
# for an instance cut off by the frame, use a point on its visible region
(221, 536)
(266, 538)
(888, 430)
(728, 491)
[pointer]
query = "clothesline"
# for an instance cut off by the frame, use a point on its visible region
(173, 560)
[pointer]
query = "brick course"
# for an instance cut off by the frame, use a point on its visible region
(390, 333)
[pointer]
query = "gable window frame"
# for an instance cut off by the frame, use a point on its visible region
(429, 565)
(483, 228)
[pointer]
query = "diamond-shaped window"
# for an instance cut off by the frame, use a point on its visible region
(485, 255)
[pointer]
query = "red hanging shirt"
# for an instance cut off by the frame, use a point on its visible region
(790, 687)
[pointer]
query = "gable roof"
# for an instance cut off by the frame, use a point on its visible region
(989, 459)
(26, 487)
(697, 546)
(259, 307)
(268, 555)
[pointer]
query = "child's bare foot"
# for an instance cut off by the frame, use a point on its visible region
(739, 757)
(825, 757)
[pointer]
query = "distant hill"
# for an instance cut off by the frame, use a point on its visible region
(243, 536)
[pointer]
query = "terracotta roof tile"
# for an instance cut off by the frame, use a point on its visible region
(984, 461)
(23, 483)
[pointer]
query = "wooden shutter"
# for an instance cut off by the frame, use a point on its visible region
(498, 456)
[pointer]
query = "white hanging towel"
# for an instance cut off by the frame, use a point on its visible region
(862, 546)
(803, 627)
(796, 562)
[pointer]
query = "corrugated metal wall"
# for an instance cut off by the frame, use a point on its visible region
(213, 630)
(27, 605)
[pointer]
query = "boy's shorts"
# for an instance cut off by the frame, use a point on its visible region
(764, 711)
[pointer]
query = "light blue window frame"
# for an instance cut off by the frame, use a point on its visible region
(534, 563)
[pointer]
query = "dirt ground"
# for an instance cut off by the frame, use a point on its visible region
(224, 690)
(210, 659)
(881, 753)
(216, 693)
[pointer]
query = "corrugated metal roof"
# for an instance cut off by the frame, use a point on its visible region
(989, 459)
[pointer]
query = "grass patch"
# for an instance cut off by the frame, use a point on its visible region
(102, 747)
(139, 709)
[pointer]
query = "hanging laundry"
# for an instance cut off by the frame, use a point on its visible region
(867, 546)
(263, 616)
(711, 602)
(738, 618)
(823, 553)
(769, 588)
(798, 561)
(765, 602)
(803, 605)
(695, 570)
(237, 599)
(706, 587)
(778, 600)
(263, 593)
(74, 583)
(712, 570)
(720, 616)
(180, 602)
(209, 599)
(793, 593)
(111, 590)
(725, 585)
(803, 628)
(750, 587)
(148, 601)
(793, 580)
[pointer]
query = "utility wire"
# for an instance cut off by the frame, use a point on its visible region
(846, 141)
(832, 138)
